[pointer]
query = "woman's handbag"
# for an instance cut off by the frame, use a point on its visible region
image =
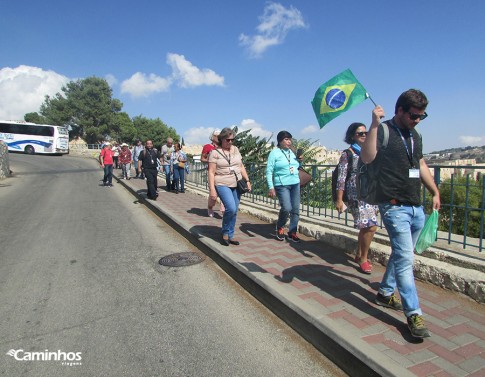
(242, 186)
(181, 165)
(305, 177)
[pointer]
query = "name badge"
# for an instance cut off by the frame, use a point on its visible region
(413, 173)
(292, 171)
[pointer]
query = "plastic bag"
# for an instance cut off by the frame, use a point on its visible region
(429, 233)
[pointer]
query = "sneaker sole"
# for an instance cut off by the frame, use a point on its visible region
(383, 304)
(419, 336)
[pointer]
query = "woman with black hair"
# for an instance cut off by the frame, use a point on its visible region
(284, 182)
(365, 215)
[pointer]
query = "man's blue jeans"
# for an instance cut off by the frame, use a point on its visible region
(108, 174)
(230, 197)
(168, 176)
(403, 224)
(289, 198)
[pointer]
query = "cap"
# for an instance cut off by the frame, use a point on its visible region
(124, 145)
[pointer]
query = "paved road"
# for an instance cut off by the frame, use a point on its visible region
(79, 273)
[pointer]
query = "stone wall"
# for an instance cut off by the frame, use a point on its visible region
(4, 163)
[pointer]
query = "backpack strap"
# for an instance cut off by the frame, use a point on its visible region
(385, 140)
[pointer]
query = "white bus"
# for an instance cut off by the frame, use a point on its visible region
(33, 138)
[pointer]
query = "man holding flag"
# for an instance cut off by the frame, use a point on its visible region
(402, 170)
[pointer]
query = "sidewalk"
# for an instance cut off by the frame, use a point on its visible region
(318, 290)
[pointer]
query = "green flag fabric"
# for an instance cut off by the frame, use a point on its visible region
(336, 96)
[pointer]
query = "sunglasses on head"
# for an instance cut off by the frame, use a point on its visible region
(363, 133)
(229, 140)
(414, 116)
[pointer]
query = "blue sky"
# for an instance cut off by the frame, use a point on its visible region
(199, 65)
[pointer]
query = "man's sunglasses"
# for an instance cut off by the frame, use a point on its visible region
(229, 140)
(361, 133)
(414, 116)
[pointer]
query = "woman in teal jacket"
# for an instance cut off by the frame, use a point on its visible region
(284, 182)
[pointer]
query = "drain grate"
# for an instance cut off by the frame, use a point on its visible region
(181, 259)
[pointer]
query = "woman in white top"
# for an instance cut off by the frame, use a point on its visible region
(177, 167)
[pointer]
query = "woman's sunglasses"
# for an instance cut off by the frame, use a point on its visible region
(229, 140)
(361, 133)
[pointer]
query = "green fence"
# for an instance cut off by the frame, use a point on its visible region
(462, 198)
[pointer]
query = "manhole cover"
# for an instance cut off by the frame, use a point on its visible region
(181, 259)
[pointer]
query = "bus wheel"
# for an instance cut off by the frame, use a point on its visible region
(29, 149)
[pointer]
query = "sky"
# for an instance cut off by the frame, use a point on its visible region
(204, 65)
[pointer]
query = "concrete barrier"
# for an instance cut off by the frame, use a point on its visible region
(4, 163)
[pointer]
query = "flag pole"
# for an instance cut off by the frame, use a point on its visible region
(368, 96)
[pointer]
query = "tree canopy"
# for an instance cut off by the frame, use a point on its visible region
(88, 108)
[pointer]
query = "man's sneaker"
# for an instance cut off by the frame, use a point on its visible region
(293, 237)
(280, 234)
(389, 301)
(417, 327)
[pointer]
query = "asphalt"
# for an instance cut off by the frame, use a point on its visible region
(318, 289)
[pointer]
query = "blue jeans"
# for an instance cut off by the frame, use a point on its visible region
(289, 198)
(403, 224)
(230, 197)
(168, 176)
(108, 174)
(179, 178)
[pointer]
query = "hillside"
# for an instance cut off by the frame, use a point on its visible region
(478, 153)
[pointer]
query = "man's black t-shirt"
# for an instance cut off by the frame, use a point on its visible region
(394, 181)
(148, 158)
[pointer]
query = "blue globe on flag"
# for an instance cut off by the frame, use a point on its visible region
(335, 98)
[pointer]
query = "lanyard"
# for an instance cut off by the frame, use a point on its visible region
(288, 156)
(223, 154)
(410, 156)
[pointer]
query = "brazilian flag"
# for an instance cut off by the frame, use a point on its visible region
(336, 96)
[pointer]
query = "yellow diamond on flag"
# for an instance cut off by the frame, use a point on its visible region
(337, 95)
(335, 98)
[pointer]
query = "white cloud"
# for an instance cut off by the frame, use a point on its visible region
(23, 89)
(472, 140)
(309, 129)
(141, 85)
(187, 75)
(256, 128)
(184, 74)
(198, 135)
(276, 23)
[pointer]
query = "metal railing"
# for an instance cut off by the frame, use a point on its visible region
(462, 214)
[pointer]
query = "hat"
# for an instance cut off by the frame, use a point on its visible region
(283, 135)
(124, 145)
(107, 143)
